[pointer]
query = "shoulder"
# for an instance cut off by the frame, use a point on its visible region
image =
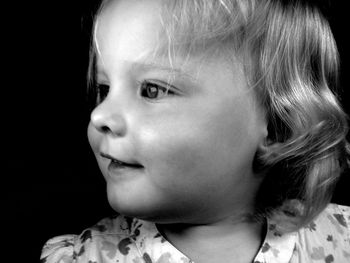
(326, 238)
(107, 238)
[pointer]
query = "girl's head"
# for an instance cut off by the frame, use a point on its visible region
(215, 109)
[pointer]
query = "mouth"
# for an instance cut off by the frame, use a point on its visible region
(116, 163)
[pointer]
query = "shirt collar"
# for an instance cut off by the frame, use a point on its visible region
(276, 247)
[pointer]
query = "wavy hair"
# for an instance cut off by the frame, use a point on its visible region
(291, 60)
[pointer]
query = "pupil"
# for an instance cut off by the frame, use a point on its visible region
(152, 92)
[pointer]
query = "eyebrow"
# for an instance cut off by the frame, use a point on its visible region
(149, 66)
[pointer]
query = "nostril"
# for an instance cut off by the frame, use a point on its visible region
(113, 130)
(107, 122)
(105, 129)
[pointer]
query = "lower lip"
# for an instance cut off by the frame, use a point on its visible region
(117, 170)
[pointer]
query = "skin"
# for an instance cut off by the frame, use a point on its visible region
(196, 145)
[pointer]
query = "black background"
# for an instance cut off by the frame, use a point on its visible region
(51, 183)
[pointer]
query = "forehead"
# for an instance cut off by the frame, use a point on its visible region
(129, 27)
(138, 28)
(130, 34)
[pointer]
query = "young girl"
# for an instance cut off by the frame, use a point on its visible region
(218, 135)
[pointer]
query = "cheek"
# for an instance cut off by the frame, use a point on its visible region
(169, 146)
(193, 145)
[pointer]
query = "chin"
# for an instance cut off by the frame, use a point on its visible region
(141, 210)
(133, 206)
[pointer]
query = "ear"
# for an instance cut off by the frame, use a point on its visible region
(259, 161)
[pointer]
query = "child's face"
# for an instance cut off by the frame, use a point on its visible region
(196, 144)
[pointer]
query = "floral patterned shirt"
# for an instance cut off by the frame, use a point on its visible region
(125, 240)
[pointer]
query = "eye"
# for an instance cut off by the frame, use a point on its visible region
(154, 91)
(102, 92)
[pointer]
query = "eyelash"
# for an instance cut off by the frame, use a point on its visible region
(168, 90)
(102, 92)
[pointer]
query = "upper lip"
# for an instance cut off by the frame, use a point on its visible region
(120, 162)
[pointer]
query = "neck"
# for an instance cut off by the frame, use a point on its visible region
(224, 240)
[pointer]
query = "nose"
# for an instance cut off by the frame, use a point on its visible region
(108, 120)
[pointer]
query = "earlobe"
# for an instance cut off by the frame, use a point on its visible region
(259, 162)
